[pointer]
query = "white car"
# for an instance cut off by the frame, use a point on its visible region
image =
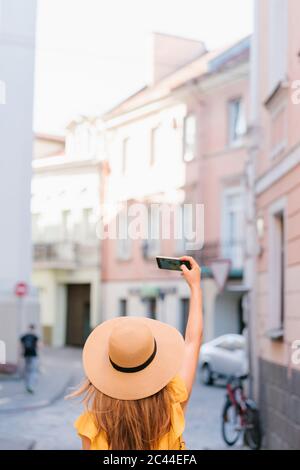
(223, 357)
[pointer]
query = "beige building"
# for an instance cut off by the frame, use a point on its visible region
(180, 140)
(274, 178)
(65, 207)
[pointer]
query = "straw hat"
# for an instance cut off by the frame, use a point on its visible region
(129, 358)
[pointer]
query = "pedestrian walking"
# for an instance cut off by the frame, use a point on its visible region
(29, 343)
(140, 373)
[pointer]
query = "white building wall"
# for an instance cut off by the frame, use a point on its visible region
(52, 285)
(168, 310)
(65, 207)
(153, 178)
(17, 35)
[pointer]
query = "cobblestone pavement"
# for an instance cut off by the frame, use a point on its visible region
(51, 427)
(203, 419)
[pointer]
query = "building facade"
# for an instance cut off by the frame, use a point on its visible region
(180, 140)
(220, 101)
(176, 145)
(275, 158)
(17, 51)
(65, 204)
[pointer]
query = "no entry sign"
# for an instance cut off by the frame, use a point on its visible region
(21, 289)
(220, 270)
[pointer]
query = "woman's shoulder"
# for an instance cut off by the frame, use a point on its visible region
(178, 389)
(86, 425)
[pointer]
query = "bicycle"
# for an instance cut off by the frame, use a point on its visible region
(240, 415)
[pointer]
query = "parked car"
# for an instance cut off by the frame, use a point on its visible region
(223, 357)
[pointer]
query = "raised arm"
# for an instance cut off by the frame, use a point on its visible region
(194, 328)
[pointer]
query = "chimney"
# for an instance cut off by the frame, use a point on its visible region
(168, 53)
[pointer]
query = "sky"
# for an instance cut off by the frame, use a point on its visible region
(91, 54)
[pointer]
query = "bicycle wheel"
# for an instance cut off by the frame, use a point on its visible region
(231, 423)
(252, 436)
(206, 375)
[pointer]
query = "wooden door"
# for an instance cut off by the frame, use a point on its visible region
(78, 314)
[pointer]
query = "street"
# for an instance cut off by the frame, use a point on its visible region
(51, 427)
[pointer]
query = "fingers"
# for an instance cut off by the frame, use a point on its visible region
(184, 269)
(190, 259)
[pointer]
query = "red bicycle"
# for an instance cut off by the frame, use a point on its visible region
(240, 415)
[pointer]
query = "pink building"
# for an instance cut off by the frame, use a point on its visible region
(275, 156)
(180, 140)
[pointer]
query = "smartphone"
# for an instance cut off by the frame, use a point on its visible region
(171, 263)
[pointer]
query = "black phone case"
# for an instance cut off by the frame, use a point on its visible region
(185, 262)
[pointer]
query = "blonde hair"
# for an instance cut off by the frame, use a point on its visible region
(128, 424)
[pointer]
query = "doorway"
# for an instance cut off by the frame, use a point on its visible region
(184, 313)
(78, 314)
(151, 307)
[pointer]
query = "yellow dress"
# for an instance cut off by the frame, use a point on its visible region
(85, 424)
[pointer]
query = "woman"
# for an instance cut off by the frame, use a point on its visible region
(140, 373)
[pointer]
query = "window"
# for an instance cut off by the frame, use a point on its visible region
(125, 152)
(185, 230)
(278, 34)
(156, 145)
(280, 268)
(81, 141)
(278, 130)
(88, 224)
(130, 153)
(154, 229)
(67, 224)
(232, 227)
(189, 144)
(123, 307)
(277, 273)
(179, 231)
(123, 241)
(151, 245)
(237, 121)
(151, 307)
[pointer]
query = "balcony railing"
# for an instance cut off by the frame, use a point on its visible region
(65, 255)
(233, 250)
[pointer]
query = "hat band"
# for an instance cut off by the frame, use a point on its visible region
(136, 368)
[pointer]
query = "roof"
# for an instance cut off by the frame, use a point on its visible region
(49, 137)
(207, 64)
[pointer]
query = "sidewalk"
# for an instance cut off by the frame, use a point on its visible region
(56, 371)
(57, 368)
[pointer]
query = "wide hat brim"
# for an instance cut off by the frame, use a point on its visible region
(133, 386)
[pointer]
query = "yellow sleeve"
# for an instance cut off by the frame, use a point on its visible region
(178, 390)
(180, 395)
(85, 426)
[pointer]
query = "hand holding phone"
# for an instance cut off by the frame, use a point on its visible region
(193, 275)
(172, 264)
(189, 268)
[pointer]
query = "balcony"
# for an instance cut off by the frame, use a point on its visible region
(67, 255)
(234, 251)
(150, 249)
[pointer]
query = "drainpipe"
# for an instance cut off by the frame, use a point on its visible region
(251, 233)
